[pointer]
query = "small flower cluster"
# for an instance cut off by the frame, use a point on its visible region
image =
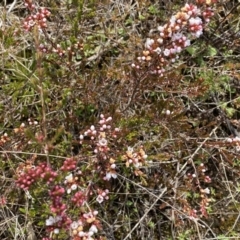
(32, 122)
(71, 183)
(54, 224)
(58, 50)
(100, 134)
(69, 164)
(29, 4)
(39, 18)
(203, 205)
(194, 213)
(135, 159)
(56, 194)
(85, 227)
(173, 37)
(99, 138)
(39, 137)
(102, 195)
(4, 138)
(20, 129)
(79, 198)
(67, 186)
(70, 52)
(234, 141)
(58, 207)
(53, 221)
(204, 192)
(29, 174)
(201, 174)
(204, 201)
(110, 170)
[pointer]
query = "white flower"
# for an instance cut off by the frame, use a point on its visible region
(178, 49)
(187, 43)
(198, 33)
(236, 139)
(158, 50)
(168, 112)
(130, 149)
(113, 166)
(160, 28)
(81, 137)
(145, 156)
(110, 175)
(206, 190)
(74, 225)
(160, 40)
(109, 119)
(100, 199)
(177, 36)
(93, 229)
(52, 220)
(56, 231)
(166, 52)
(102, 142)
(172, 20)
(69, 178)
(149, 43)
(74, 187)
(137, 165)
(89, 235)
(195, 21)
(81, 234)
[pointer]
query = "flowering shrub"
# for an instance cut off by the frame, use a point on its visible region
(84, 224)
(70, 62)
(39, 19)
(174, 36)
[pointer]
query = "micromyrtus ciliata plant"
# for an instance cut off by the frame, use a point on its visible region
(78, 185)
(174, 37)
